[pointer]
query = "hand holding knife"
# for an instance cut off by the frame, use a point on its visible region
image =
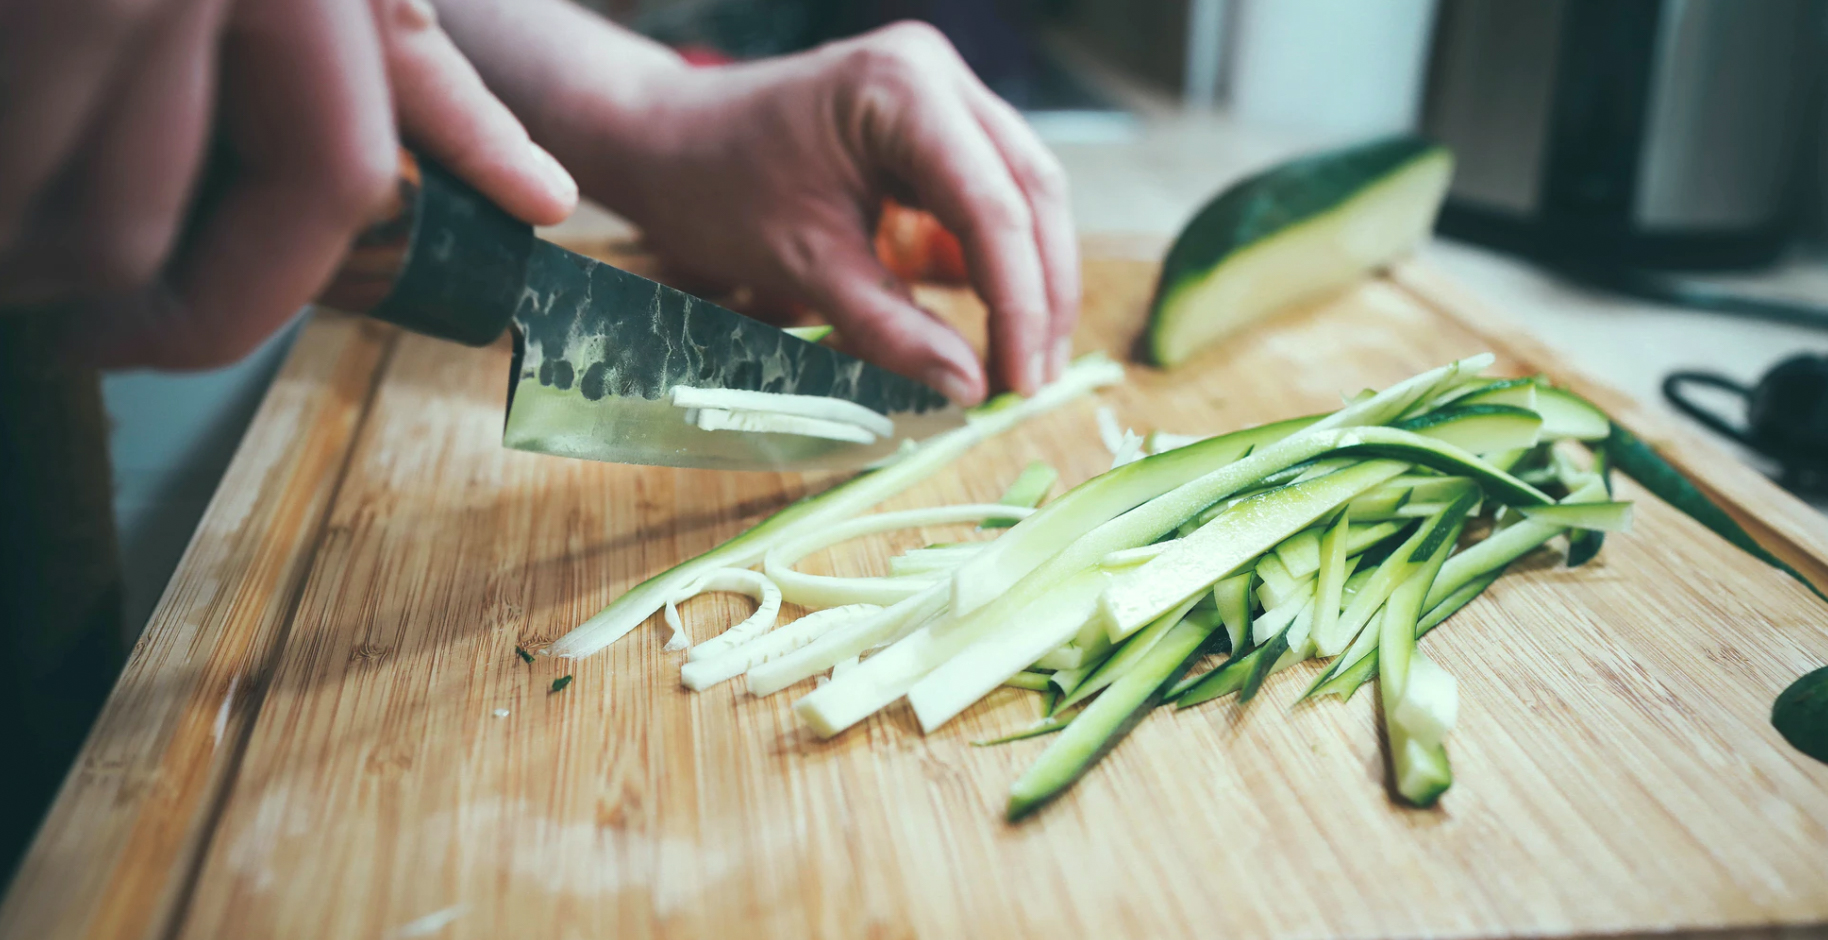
(598, 350)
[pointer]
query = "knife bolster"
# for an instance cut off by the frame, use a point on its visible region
(444, 260)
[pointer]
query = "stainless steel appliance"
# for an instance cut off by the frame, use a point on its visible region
(1624, 133)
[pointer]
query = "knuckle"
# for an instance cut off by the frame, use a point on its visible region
(905, 53)
(1003, 213)
(357, 182)
(1046, 179)
(915, 36)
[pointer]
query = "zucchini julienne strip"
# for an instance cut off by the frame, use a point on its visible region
(1029, 489)
(1101, 499)
(1418, 757)
(1481, 429)
(1242, 533)
(834, 505)
(1436, 537)
(1270, 639)
(1595, 516)
(1347, 681)
(1108, 718)
(701, 674)
(1126, 656)
(812, 590)
(1032, 681)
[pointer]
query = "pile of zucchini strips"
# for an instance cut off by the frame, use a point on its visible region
(1341, 537)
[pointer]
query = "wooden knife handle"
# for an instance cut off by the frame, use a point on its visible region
(440, 259)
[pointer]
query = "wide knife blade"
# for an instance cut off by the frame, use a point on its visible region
(598, 351)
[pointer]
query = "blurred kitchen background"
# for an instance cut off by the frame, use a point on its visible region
(1644, 182)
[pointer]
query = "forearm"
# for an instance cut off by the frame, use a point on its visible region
(586, 88)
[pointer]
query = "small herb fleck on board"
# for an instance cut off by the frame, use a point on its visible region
(559, 684)
(525, 656)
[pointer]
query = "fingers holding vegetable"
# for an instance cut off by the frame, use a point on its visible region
(907, 113)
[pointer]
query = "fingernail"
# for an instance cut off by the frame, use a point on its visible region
(1063, 355)
(558, 181)
(960, 390)
(1037, 371)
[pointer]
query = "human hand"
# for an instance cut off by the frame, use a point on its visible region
(770, 174)
(108, 109)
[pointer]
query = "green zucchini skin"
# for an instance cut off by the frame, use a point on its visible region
(1123, 705)
(1271, 203)
(1638, 461)
(1800, 714)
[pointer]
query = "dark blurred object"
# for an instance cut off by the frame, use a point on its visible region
(60, 577)
(997, 38)
(1786, 416)
(1623, 133)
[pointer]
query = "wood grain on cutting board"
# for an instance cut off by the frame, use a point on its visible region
(1615, 770)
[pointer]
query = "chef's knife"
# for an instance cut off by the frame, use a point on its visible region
(598, 350)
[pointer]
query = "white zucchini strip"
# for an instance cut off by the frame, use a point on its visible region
(932, 560)
(760, 422)
(704, 673)
(973, 673)
(1218, 549)
(1074, 655)
(841, 502)
(1430, 704)
(1124, 660)
(819, 407)
(812, 590)
(1130, 557)
(886, 626)
(740, 580)
(1161, 441)
(1109, 432)
(1129, 450)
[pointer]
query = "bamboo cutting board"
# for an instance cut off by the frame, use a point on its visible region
(311, 740)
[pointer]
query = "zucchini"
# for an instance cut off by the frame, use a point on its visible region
(1300, 553)
(1520, 393)
(1638, 461)
(1331, 587)
(1596, 516)
(1567, 415)
(1032, 681)
(1800, 714)
(1298, 230)
(1109, 717)
(1480, 429)
(1434, 540)
(1230, 541)
(1096, 501)
(1029, 489)
(1349, 679)
(1130, 653)
(834, 505)
(1232, 598)
(1417, 723)
(811, 334)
